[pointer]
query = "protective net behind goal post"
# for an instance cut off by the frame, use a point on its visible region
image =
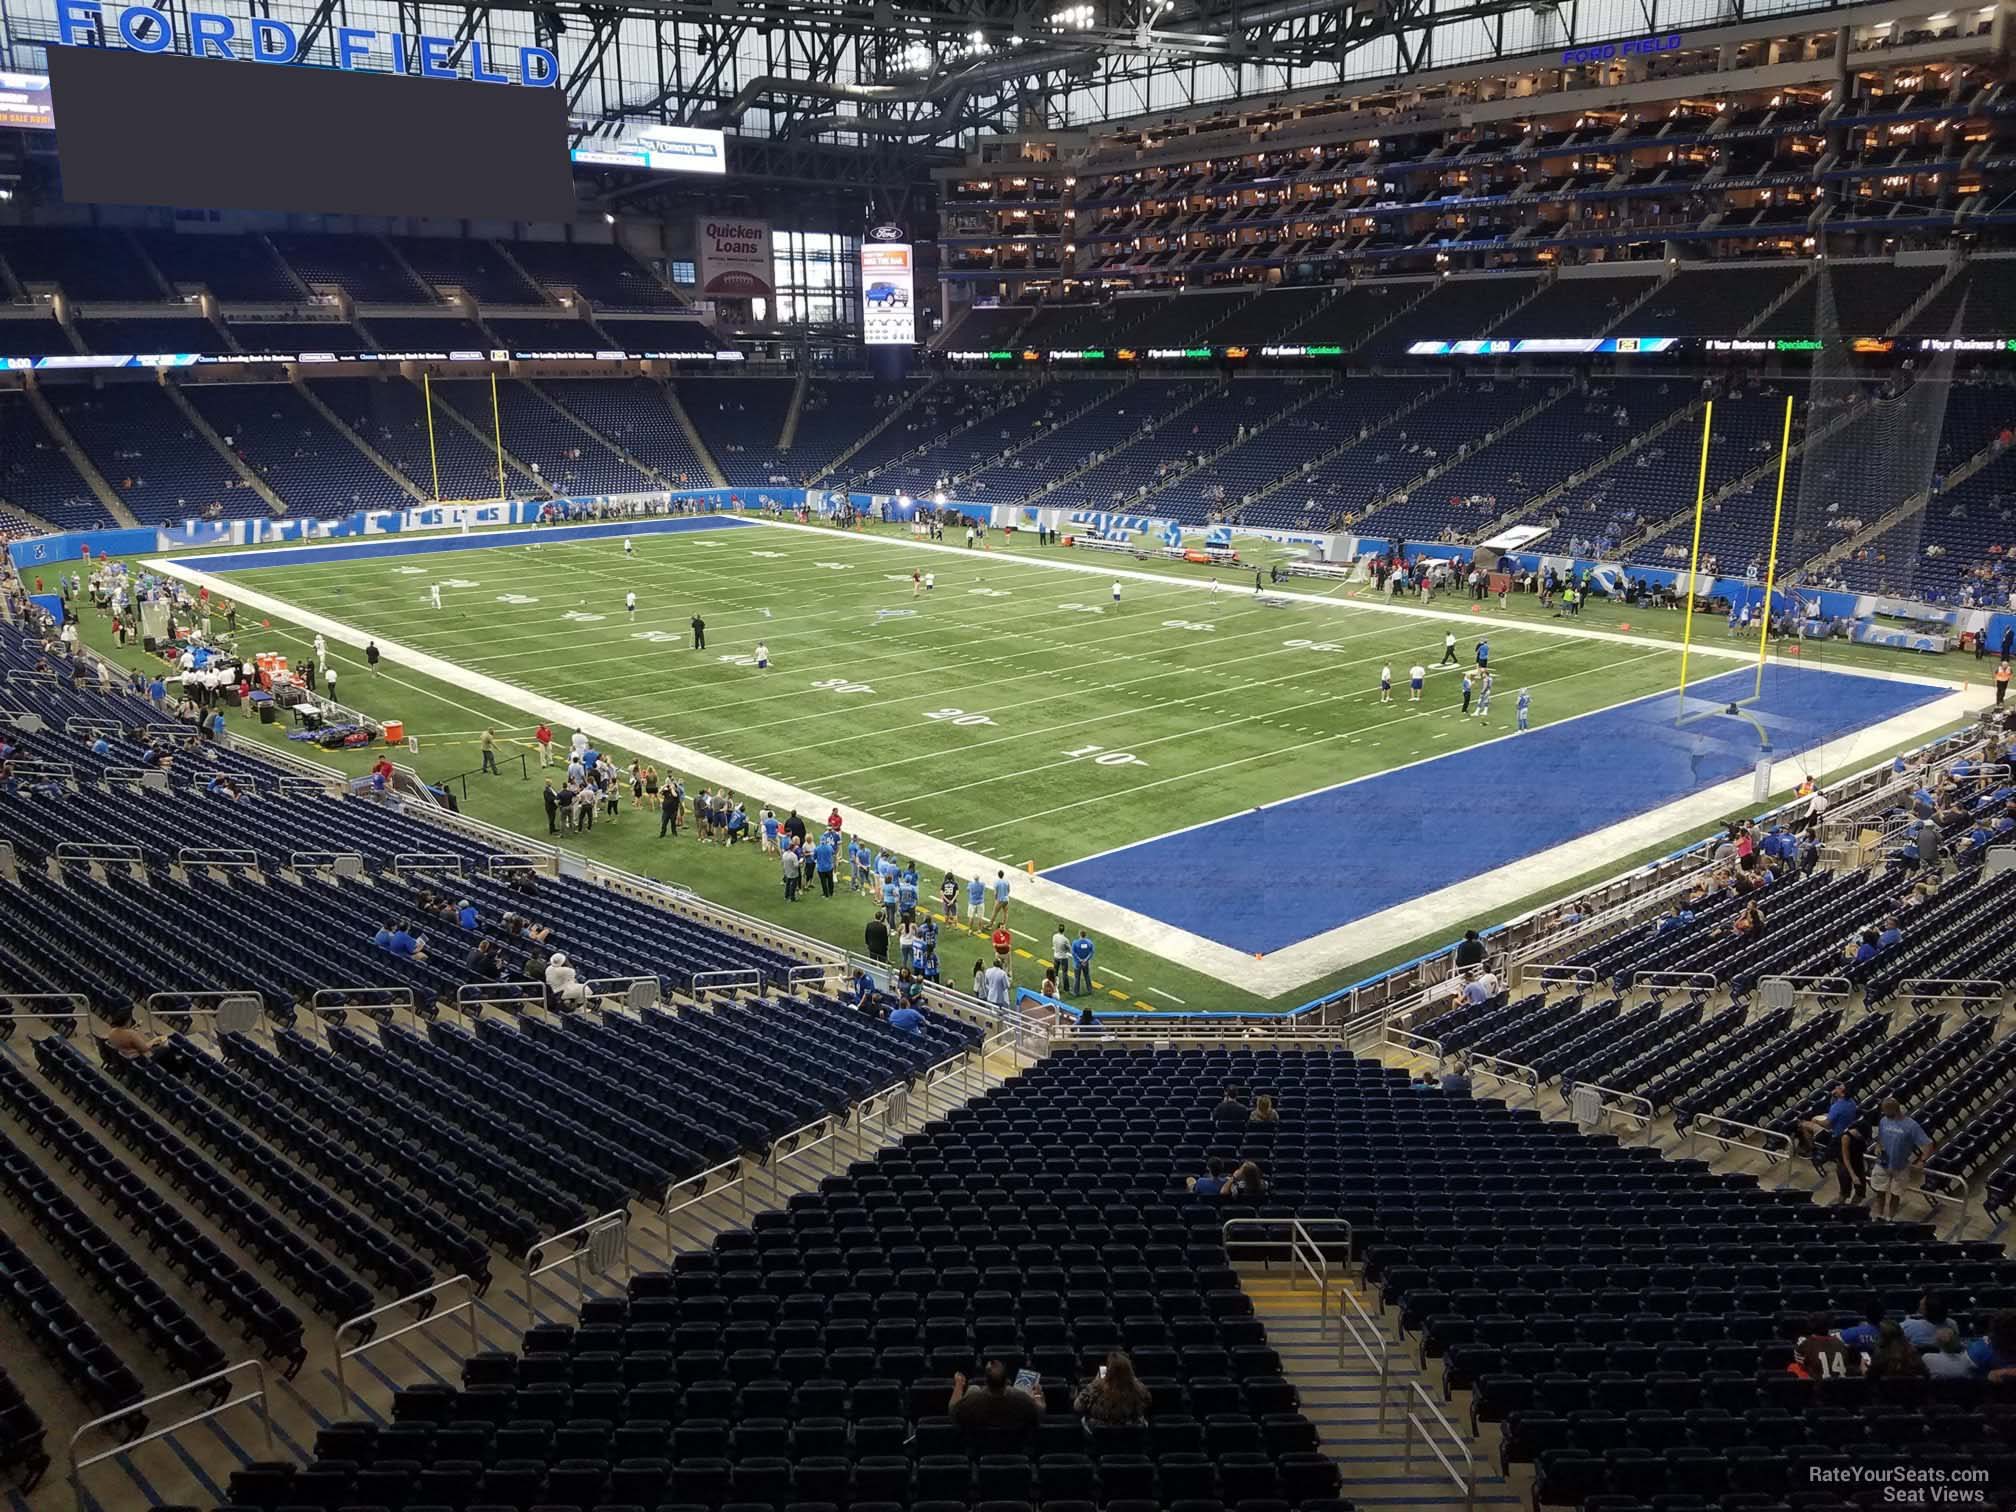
(1871, 455)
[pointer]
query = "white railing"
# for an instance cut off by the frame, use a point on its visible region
(431, 1315)
(592, 1242)
(76, 1010)
(200, 1008)
(218, 858)
(1412, 1044)
(744, 979)
(221, 1382)
(1693, 981)
(1782, 991)
(1465, 1478)
(93, 853)
(343, 863)
(1630, 1104)
(1727, 1134)
(794, 1148)
(1357, 1326)
(424, 861)
(334, 1002)
(1498, 1068)
(1972, 993)
(1544, 974)
(700, 1189)
(1302, 1246)
(1175, 1031)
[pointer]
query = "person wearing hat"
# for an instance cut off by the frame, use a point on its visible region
(563, 982)
(465, 914)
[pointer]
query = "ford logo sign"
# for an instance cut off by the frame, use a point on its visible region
(885, 233)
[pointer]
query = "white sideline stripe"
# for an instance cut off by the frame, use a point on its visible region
(1280, 971)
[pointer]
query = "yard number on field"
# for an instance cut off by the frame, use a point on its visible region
(1186, 625)
(1081, 608)
(1100, 756)
(841, 685)
(1309, 645)
(957, 717)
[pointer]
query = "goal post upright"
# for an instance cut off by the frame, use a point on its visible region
(1694, 551)
(1771, 567)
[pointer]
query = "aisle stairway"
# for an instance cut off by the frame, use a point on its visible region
(1343, 1400)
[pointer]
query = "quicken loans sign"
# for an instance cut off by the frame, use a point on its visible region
(141, 28)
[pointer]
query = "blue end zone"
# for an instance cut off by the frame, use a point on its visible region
(399, 545)
(1263, 880)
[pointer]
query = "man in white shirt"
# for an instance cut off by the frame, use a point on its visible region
(1448, 650)
(630, 600)
(994, 986)
(564, 982)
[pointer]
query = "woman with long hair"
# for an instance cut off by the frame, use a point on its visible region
(1115, 1398)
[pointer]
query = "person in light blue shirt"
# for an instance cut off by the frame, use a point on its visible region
(465, 914)
(1000, 899)
(1081, 963)
(1524, 707)
(101, 747)
(857, 864)
(823, 862)
(1483, 654)
(976, 900)
(908, 1020)
(404, 942)
(383, 939)
(890, 912)
(769, 833)
(906, 893)
(885, 867)
(1889, 935)
(1903, 1147)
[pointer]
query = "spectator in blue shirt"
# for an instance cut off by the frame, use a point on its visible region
(976, 900)
(465, 914)
(1081, 963)
(890, 912)
(1890, 934)
(1903, 1148)
(1212, 1182)
(1842, 1111)
(1865, 948)
(383, 939)
(1994, 1353)
(864, 989)
(1000, 899)
(908, 1020)
(906, 894)
(405, 942)
(822, 862)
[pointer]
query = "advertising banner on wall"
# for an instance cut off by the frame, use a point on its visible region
(733, 254)
(888, 289)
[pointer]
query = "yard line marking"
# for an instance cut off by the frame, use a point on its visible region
(1160, 993)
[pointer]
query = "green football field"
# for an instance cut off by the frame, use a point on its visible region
(1012, 710)
(822, 626)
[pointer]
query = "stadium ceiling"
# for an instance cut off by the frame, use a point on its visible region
(861, 94)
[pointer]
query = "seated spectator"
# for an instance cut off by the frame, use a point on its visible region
(516, 925)
(563, 982)
(1457, 1078)
(1231, 1108)
(482, 964)
(907, 1020)
(1947, 1360)
(465, 914)
(1247, 1181)
(1820, 1355)
(1894, 1355)
(132, 1043)
(1264, 1110)
(406, 943)
(1842, 1111)
(1115, 1398)
(1994, 1353)
(1212, 1182)
(995, 1408)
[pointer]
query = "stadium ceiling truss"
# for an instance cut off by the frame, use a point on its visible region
(900, 83)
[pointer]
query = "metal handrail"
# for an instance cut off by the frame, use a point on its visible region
(405, 861)
(1466, 1478)
(1804, 986)
(1380, 1359)
(256, 1394)
(531, 1269)
(1553, 975)
(1780, 1148)
(1416, 1044)
(725, 981)
(371, 1338)
(1705, 981)
(336, 1000)
(88, 852)
(1967, 989)
(1521, 1075)
(323, 860)
(218, 857)
(1311, 1259)
(160, 1004)
(1614, 1100)
(702, 1192)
